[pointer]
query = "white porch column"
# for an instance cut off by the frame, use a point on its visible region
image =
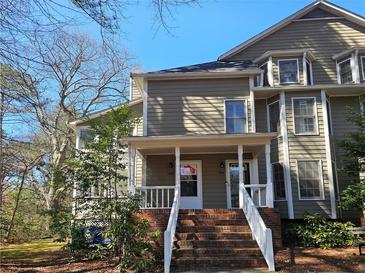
(177, 166)
(240, 175)
(269, 183)
(131, 170)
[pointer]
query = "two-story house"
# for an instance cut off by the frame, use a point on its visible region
(256, 129)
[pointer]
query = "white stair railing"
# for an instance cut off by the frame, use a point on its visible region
(170, 231)
(156, 196)
(260, 232)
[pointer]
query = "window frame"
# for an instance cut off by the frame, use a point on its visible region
(246, 113)
(316, 132)
(298, 78)
(273, 181)
(339, 71)
(321, 180)
(268, 116)
(308, 62)
(362, 58)
(78, 137)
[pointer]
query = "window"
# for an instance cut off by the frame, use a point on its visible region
(305, 118)
(310, 180)
(235, 116)
(288, 71)
(274, 117)
(278, 181)
(86, 137)
(345, 71)
(308, 68)
(265, 77)
(363, 67)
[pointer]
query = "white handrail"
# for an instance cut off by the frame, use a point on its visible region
(260, 232)
(155, 196)
(170, 230)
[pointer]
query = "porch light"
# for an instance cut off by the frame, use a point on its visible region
(221, 165)
(171, 165)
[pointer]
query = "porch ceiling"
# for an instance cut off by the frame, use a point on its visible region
(203, 143)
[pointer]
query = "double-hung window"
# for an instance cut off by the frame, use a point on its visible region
(235, 116)
(310, 179)
(265, 76)
(274, 117)
(305, 115)
(278, 181)
(85, 137)
(288, 71)
(345, 71)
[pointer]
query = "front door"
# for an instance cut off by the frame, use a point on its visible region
(191, 184)
(232, 181)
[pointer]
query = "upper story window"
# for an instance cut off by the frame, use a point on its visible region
(288, 71)
(363, 67)
(310, 179)
(235, 116)
(305, 115)
(264, 76)
(274, 117)
(308, 69)
(85, 137)
(345, 71)
(278, 181)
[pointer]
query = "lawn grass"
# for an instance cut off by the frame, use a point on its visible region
(29, 251)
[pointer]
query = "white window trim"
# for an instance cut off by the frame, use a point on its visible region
(224, 113)
(262, 74)
(293, 59)
(362, 58)
(321, 189)
(339, 74)
(273, 182)
(78, 137)
(268, 116)
(315, 114)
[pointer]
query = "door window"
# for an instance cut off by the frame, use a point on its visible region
(234, 181)
(189, 180)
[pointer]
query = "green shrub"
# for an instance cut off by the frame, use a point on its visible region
(319, 232)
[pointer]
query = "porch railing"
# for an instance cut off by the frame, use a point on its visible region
(258, 194)
(156, 196)
(170, 231)
(260, 232)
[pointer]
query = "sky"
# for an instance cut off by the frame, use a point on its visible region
(200, 33)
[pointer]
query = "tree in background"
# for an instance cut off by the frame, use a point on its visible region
(353, 197)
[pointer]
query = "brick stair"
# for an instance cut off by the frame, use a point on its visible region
(214, 239)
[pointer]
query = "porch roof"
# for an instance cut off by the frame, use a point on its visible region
(247, 139)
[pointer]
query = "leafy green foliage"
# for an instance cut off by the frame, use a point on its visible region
(319, 232)
(353, 197)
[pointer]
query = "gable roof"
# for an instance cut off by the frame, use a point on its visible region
(321, 4)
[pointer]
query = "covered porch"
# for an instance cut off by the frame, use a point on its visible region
(208, 170)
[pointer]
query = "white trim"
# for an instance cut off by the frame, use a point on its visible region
(268, 114)
(285, 53)
(246, 117)
(270, 72)
(362, 58)
(326, 123)
(281, 24)
(355, 66)
(78, 137)
(319, 19)
(269, 181)
(298, 71)
(145, 106)
(320, 169)
(274, 190)
(241, 178)
(315, 114)
(339, 70)
(286, 162)
(130, 88)
(304, 64)
(252, 105)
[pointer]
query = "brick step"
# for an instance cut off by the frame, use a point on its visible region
(216, 252)
(211, 222)
(220, 269)
(231, 262)
(222, 216)
(214, 236)
(210, 211)
(210, 228)
(214, 243)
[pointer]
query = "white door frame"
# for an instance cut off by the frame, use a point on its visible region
(194, 202)
(254, 176)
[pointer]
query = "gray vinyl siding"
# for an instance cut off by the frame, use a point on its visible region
(261, 115)
(341, 126)
(178, 107)
(323, 37)
(213, 176)
(309, 148)
(135, 92)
